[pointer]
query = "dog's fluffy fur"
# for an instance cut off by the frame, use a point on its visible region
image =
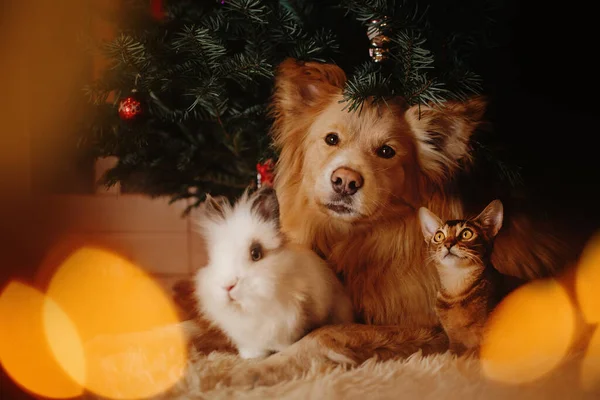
(378, 251)
(376, 245)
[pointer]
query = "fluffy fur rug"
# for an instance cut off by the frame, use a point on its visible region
(442, 376)
(434, 377)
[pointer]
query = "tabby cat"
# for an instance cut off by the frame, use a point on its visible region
(470, 285)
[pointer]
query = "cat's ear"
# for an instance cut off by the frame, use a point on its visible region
(430, 223)
(265, 204)
(443, 135)
(491, 218)
(214, 208)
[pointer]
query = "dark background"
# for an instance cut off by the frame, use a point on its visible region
(543, 85)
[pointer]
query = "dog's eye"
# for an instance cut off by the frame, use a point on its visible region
(386, 151)
(332, 139)
(256, 252)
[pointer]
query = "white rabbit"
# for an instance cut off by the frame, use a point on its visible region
(262, 291)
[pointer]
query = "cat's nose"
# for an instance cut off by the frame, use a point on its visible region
(449, 245)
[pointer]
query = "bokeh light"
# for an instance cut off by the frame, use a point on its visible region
(587, 287)
(102, 326)
(114, 304)
(528, 334)
(587, 284)
(64, 340)
(25, 353)
(590, 366)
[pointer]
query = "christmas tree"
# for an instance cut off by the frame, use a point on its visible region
(191, 80)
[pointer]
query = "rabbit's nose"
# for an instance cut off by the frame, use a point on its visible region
(229, 287)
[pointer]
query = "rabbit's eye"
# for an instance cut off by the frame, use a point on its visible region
(256, 252)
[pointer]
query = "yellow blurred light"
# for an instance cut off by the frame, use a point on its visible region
(24, 351)
(120, 313)
(590, 366)
(64, 341)
(587, 281)
(528, 334)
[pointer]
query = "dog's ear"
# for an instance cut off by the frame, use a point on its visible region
(299, 85)
(443, 134)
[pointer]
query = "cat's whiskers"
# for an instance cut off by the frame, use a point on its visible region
(475, 260)
(432, 257)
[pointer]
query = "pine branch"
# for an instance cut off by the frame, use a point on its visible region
(127, 52)
(205, 75)
(253, 10)
(463, 84)
(424, 90)
(96, 93)
(325, 42)
(215, 22)
(288, 27)
(409, 53)
(246, 69)
(298, 10)
(412, 60)
(366, 84)
(185, 68)
(366, 10)
(201, 44)
(320, 44)
(210, 97)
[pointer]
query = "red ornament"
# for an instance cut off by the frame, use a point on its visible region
(130, 108)
(157, 10)
(265, 173)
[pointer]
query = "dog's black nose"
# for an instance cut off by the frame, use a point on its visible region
(346, 181)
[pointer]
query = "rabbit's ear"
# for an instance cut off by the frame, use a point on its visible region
(215, 207)
(266, 205)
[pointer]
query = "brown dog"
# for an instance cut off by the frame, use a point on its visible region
(349, 186)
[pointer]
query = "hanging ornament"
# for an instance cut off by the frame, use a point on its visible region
(265, 175)
(157, 9)
(377, 32)
(130, 107)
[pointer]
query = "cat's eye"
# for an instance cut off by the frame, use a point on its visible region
(256, 252)
(332, 139)
(466, 234)
(439, 236)
(385, 151)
